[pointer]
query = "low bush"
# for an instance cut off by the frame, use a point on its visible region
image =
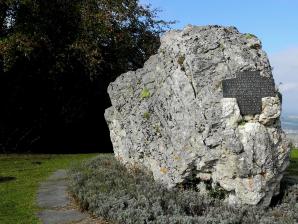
(105, 188)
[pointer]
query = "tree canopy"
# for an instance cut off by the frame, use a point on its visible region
(56, 60)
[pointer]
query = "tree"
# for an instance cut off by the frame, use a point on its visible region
(57, 58)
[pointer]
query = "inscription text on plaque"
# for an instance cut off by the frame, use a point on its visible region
(249, 88)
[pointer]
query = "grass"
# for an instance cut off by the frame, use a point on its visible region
(294, 154)
(293, 168)
(20, 176)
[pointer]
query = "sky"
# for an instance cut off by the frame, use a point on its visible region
(274, 22)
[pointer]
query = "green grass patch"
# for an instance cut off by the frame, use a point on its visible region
(20, 176)
(293, 167)
(294, 154)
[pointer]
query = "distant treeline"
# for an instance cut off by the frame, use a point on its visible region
(56, 60)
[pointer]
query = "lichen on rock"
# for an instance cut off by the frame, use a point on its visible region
(189, 129)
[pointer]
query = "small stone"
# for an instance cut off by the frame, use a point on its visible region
(204, 176)
(202, 188)
(271, 109)
(248, 117)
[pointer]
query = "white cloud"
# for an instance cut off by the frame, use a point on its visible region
(285, 64)
(287, 87)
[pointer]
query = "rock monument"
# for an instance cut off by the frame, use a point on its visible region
(203, 109)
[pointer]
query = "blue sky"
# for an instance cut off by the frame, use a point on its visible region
(274, 22)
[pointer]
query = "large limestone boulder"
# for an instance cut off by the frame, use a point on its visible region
(170, 117)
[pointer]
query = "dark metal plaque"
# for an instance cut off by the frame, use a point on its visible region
(249, 88)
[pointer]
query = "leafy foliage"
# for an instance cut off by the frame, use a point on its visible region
(105, 188)
(145, 93)
(146, 115)
(57, 59)
(249, 36)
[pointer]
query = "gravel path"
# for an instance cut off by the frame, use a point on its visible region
(57, 207)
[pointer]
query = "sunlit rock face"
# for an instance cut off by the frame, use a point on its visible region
(170, 117)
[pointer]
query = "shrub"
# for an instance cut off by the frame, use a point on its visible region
(146, 115)
(249, 36)
(145, 93)
(180, 61)
(105, 188)
(242, 122)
